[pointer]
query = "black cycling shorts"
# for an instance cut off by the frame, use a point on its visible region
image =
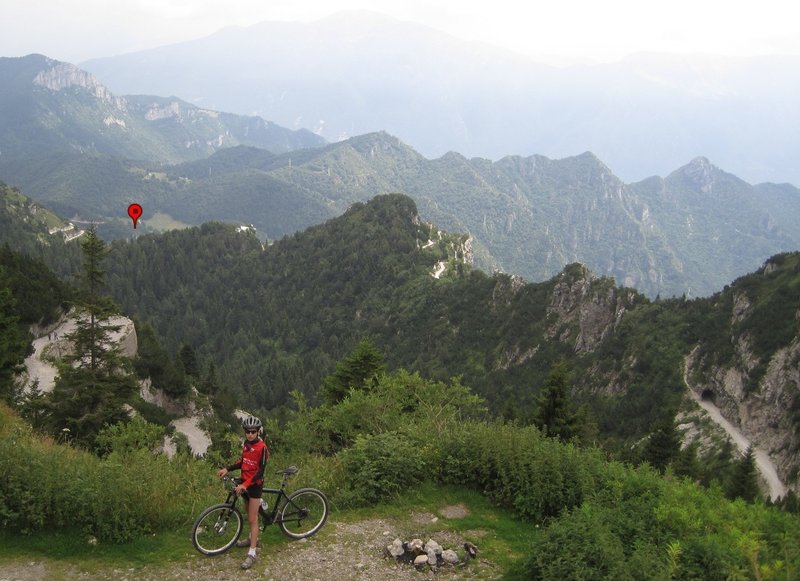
(254, 491)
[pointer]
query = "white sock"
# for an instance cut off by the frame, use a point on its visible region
(252, 552)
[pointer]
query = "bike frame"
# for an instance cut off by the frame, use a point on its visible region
(278, 494)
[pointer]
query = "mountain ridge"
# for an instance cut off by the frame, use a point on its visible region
(644, 115)
(68, 105)
(690, 232)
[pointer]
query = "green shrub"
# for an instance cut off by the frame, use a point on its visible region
(379, 467)
(518, 468)
(49, 486)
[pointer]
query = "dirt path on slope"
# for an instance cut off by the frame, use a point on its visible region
(55, 344)
(52, 344)
(766, 466)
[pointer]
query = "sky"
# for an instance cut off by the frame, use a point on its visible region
(551, 30)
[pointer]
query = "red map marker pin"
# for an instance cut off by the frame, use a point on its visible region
(135, 212)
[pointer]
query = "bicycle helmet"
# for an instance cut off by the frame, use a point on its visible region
(251, 423)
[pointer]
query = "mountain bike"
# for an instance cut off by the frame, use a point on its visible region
(299, 514)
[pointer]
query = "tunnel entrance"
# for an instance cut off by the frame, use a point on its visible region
(708, 395)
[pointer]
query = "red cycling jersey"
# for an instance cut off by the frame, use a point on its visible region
(252, 463)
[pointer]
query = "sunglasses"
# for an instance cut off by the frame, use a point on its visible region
(251, 431)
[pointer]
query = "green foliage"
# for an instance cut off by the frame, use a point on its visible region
(13, 343)
(40, 296)
(93, 348)
(519, 468)
(398, 401)
(378, 467)
(125, 495)
(128, 437)
(663, 446)
(153, 361)
(93, 383)
(82, 402)
(360, 370)
(643, 527)
(744, 479)
(555, 417)
(188, 359)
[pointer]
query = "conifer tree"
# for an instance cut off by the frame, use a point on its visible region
(555, 416)
(95, 381)
(91, 338)
(363, 367)
(663, 446)
(188, 359)
(744, 479)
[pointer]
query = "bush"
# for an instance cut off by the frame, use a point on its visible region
(640, 526)
(49, 486)
(379, 467)
(518, 468)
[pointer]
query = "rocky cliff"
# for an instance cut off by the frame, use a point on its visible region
(757, 387)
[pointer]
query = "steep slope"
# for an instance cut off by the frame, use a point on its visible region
(275, 319)
(689, 233)
(746, 360)
(51, 106)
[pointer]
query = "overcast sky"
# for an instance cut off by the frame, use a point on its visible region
(604, 30)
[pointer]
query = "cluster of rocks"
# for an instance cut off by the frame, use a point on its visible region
(430, 554)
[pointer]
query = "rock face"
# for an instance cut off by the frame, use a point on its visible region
(53, 342)
(586, 309)
(761, 406)
(61, 76)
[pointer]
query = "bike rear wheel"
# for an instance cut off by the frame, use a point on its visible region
(303, 513)
(216, 529)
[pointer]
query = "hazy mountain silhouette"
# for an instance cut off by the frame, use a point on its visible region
(357, 72)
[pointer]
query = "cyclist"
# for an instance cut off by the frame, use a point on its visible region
(252, 463)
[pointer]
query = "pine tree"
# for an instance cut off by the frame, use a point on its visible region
(744, 480)
(687, 463)
(188, 359)
(555, 416)
(663, 446)
(95, 381)
(91, 338)
(358, 370)
(12, 341)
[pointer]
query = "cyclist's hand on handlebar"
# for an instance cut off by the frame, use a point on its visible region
(222, 472)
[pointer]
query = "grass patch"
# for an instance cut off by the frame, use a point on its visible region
(81, 550)
(161, 222)
(501, 537)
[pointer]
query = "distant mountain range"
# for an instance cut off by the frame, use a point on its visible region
(359, 72)
(54, 107)
(70, 143)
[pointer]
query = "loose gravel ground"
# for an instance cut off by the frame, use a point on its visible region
(341, 551)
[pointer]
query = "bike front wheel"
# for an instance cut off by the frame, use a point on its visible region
(303, 513)
(216, 529)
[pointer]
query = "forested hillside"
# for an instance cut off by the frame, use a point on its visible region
(688, 233)
(275, 320)
(346, 339)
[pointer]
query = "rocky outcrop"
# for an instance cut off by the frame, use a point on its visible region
(61, 76)
(53, 343)
(762, 412)
(585, 309)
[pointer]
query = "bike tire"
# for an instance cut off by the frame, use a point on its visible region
(303, 513)
(217, 529)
